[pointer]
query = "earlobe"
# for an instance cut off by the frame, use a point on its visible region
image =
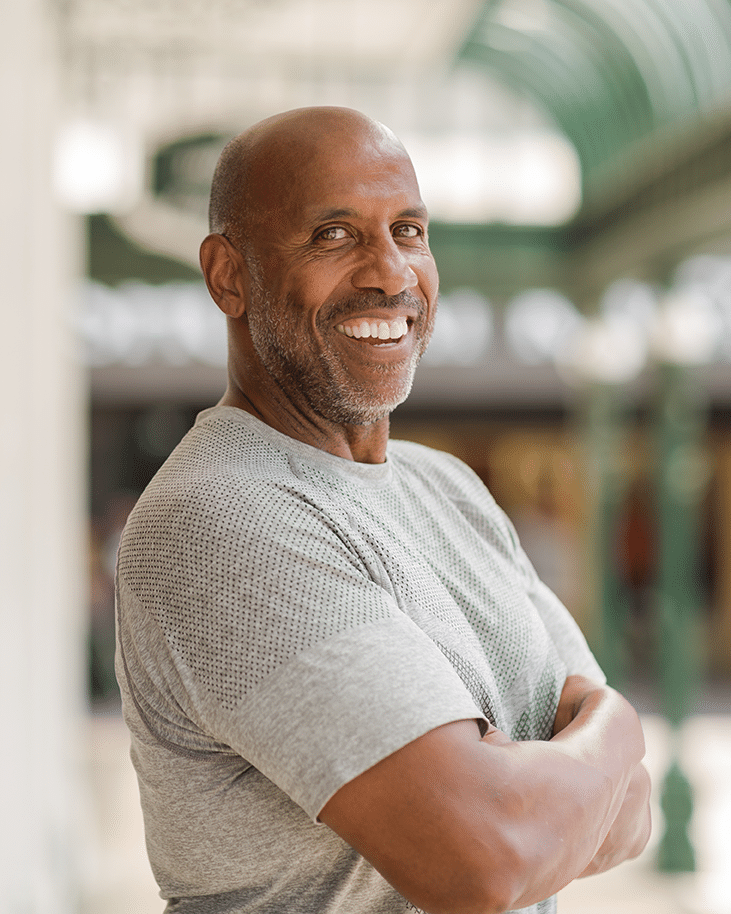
(226, 274)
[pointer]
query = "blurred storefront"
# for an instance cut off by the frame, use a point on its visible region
(507, 385)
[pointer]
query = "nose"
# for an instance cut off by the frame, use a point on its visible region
(384, 268)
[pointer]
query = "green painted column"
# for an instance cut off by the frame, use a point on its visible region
(605, 430)
(682, 477)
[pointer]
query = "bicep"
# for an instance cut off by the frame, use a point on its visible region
(409, 815)
(456, 822)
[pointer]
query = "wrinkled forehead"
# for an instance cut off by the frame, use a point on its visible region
(323, 169)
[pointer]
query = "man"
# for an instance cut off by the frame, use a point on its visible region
(346, 688)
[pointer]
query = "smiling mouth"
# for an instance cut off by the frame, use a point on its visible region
(377, 330)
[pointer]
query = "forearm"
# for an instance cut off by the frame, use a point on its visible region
(592, 719)
(596, 725)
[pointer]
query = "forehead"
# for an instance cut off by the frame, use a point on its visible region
(362, 175)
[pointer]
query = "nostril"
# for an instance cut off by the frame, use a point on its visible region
(384, 269)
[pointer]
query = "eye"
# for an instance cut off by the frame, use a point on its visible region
(333, 233)
(408, 230)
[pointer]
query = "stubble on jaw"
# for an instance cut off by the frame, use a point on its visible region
(324, 382)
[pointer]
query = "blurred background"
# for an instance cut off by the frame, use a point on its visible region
(576, 159)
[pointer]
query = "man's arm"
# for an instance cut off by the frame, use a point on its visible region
(460, 823)
(630, 830)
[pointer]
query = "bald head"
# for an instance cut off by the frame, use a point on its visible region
(256, 170)
(317, 229)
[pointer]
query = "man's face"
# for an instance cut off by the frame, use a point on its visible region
(344, 287)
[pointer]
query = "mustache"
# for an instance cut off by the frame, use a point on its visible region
(367, 301)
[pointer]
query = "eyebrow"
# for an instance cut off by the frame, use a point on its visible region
(414, 212)
(335, 213)
(344, 212)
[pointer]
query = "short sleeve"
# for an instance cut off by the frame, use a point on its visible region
(275, 640)
(336, 710)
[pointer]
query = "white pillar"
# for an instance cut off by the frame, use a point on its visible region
(41, 487)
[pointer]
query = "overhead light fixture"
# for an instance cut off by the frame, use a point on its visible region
(523, 178)
(96, 168)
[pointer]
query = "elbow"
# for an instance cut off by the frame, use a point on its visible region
(490, 881)
(505, 878)
(506, 888)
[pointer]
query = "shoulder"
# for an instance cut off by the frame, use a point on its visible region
(223, 490)
(453, 480)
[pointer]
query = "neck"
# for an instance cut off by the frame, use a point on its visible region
(360, 443)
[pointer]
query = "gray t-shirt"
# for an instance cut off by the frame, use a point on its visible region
(286, 619)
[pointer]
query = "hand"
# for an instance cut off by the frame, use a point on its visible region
(575, 691)
(585, 709)
(630, 831)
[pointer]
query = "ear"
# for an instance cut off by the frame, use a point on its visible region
(226, 274)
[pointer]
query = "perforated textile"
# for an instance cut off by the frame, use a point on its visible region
(286, 619)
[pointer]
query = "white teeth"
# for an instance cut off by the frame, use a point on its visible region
(378, 330)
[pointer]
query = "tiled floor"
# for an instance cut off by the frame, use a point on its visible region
(119, 879)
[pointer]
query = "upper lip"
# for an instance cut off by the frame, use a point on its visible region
(372, 306)
(389, 318)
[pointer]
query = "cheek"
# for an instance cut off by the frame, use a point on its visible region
(430, 277)
(308, 295)
(424, 267)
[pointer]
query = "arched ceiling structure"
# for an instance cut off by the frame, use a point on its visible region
(641, 89)
(610, 72)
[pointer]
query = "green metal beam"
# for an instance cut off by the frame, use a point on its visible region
(609, 72)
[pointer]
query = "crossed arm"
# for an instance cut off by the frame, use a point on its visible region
(480, 825)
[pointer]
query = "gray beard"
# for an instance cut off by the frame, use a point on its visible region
(325, 384)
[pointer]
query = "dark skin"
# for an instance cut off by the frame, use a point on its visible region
(330, 223)
(337, 235)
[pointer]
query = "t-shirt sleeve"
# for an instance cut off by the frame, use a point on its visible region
(262, 628)
(333, 711)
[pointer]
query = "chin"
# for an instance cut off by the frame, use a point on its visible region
(371, 415)
(360, 410)
(362, 417)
